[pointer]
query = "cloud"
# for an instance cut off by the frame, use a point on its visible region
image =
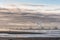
(39, 8)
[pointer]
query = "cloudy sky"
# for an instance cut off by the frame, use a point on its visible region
(48, 6)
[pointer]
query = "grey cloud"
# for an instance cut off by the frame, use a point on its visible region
(57, 9)
(33, 5)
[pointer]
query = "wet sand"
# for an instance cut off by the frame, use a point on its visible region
(30, 39)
